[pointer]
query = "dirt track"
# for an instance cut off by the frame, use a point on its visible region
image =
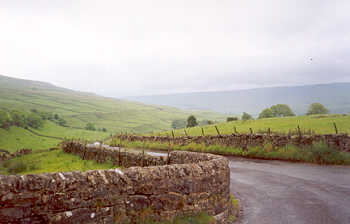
(281, 192)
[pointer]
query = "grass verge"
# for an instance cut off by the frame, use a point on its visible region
(318, 153)
(201, 218)
(50, 161)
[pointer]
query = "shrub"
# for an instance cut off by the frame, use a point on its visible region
(18, 118)
(231, 119)
(34, 120)
(61, 122)
(246, 116)
(90, 126)
(5, 119)
(15, 167)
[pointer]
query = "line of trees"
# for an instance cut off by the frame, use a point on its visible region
(278, 110)
(34, 119)
(283, 110)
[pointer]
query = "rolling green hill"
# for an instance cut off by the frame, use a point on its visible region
(79, 108)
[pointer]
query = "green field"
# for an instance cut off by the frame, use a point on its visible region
(51, 129)
(319, 124)
(79, 108)
(50, 161)
(18, 138)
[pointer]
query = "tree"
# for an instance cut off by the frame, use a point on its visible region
(191, 121)
(231, 119)
(56, 117)
(211, 122)
(62, 122)
(104, 129)
(5, 119)
(282, 110)
(18, 118)
(178, 124)
(45, 115)
(266, 113)
(246, 116)
(317, 108)
(34, 120)
(90, 126)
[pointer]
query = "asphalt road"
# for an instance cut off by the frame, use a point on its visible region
(282, 193)
(276, 192)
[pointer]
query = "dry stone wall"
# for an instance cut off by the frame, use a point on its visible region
(6, 155)
(340, 141)
(155, 188)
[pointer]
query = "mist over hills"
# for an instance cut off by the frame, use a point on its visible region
(335, 96)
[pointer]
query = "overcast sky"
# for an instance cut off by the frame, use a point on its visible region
(122, 48)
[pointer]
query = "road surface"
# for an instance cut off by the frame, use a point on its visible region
(276, 192)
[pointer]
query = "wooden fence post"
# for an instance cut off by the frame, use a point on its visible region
(299, 132)
(202, 132)
(126, 158)
(335, 127)
(119, 162)
(251, 131)
(217, 130)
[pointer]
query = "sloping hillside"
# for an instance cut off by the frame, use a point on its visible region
(334, 96)
(79, 108)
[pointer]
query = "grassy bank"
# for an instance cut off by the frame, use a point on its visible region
(51, 129)
(319, 124)
(318, 153)
(50, 161)
(16, 138)
(201, 218)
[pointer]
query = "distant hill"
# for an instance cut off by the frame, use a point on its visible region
(335, 96)
(79, 108)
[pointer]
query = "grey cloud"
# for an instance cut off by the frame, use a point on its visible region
(120, 48)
